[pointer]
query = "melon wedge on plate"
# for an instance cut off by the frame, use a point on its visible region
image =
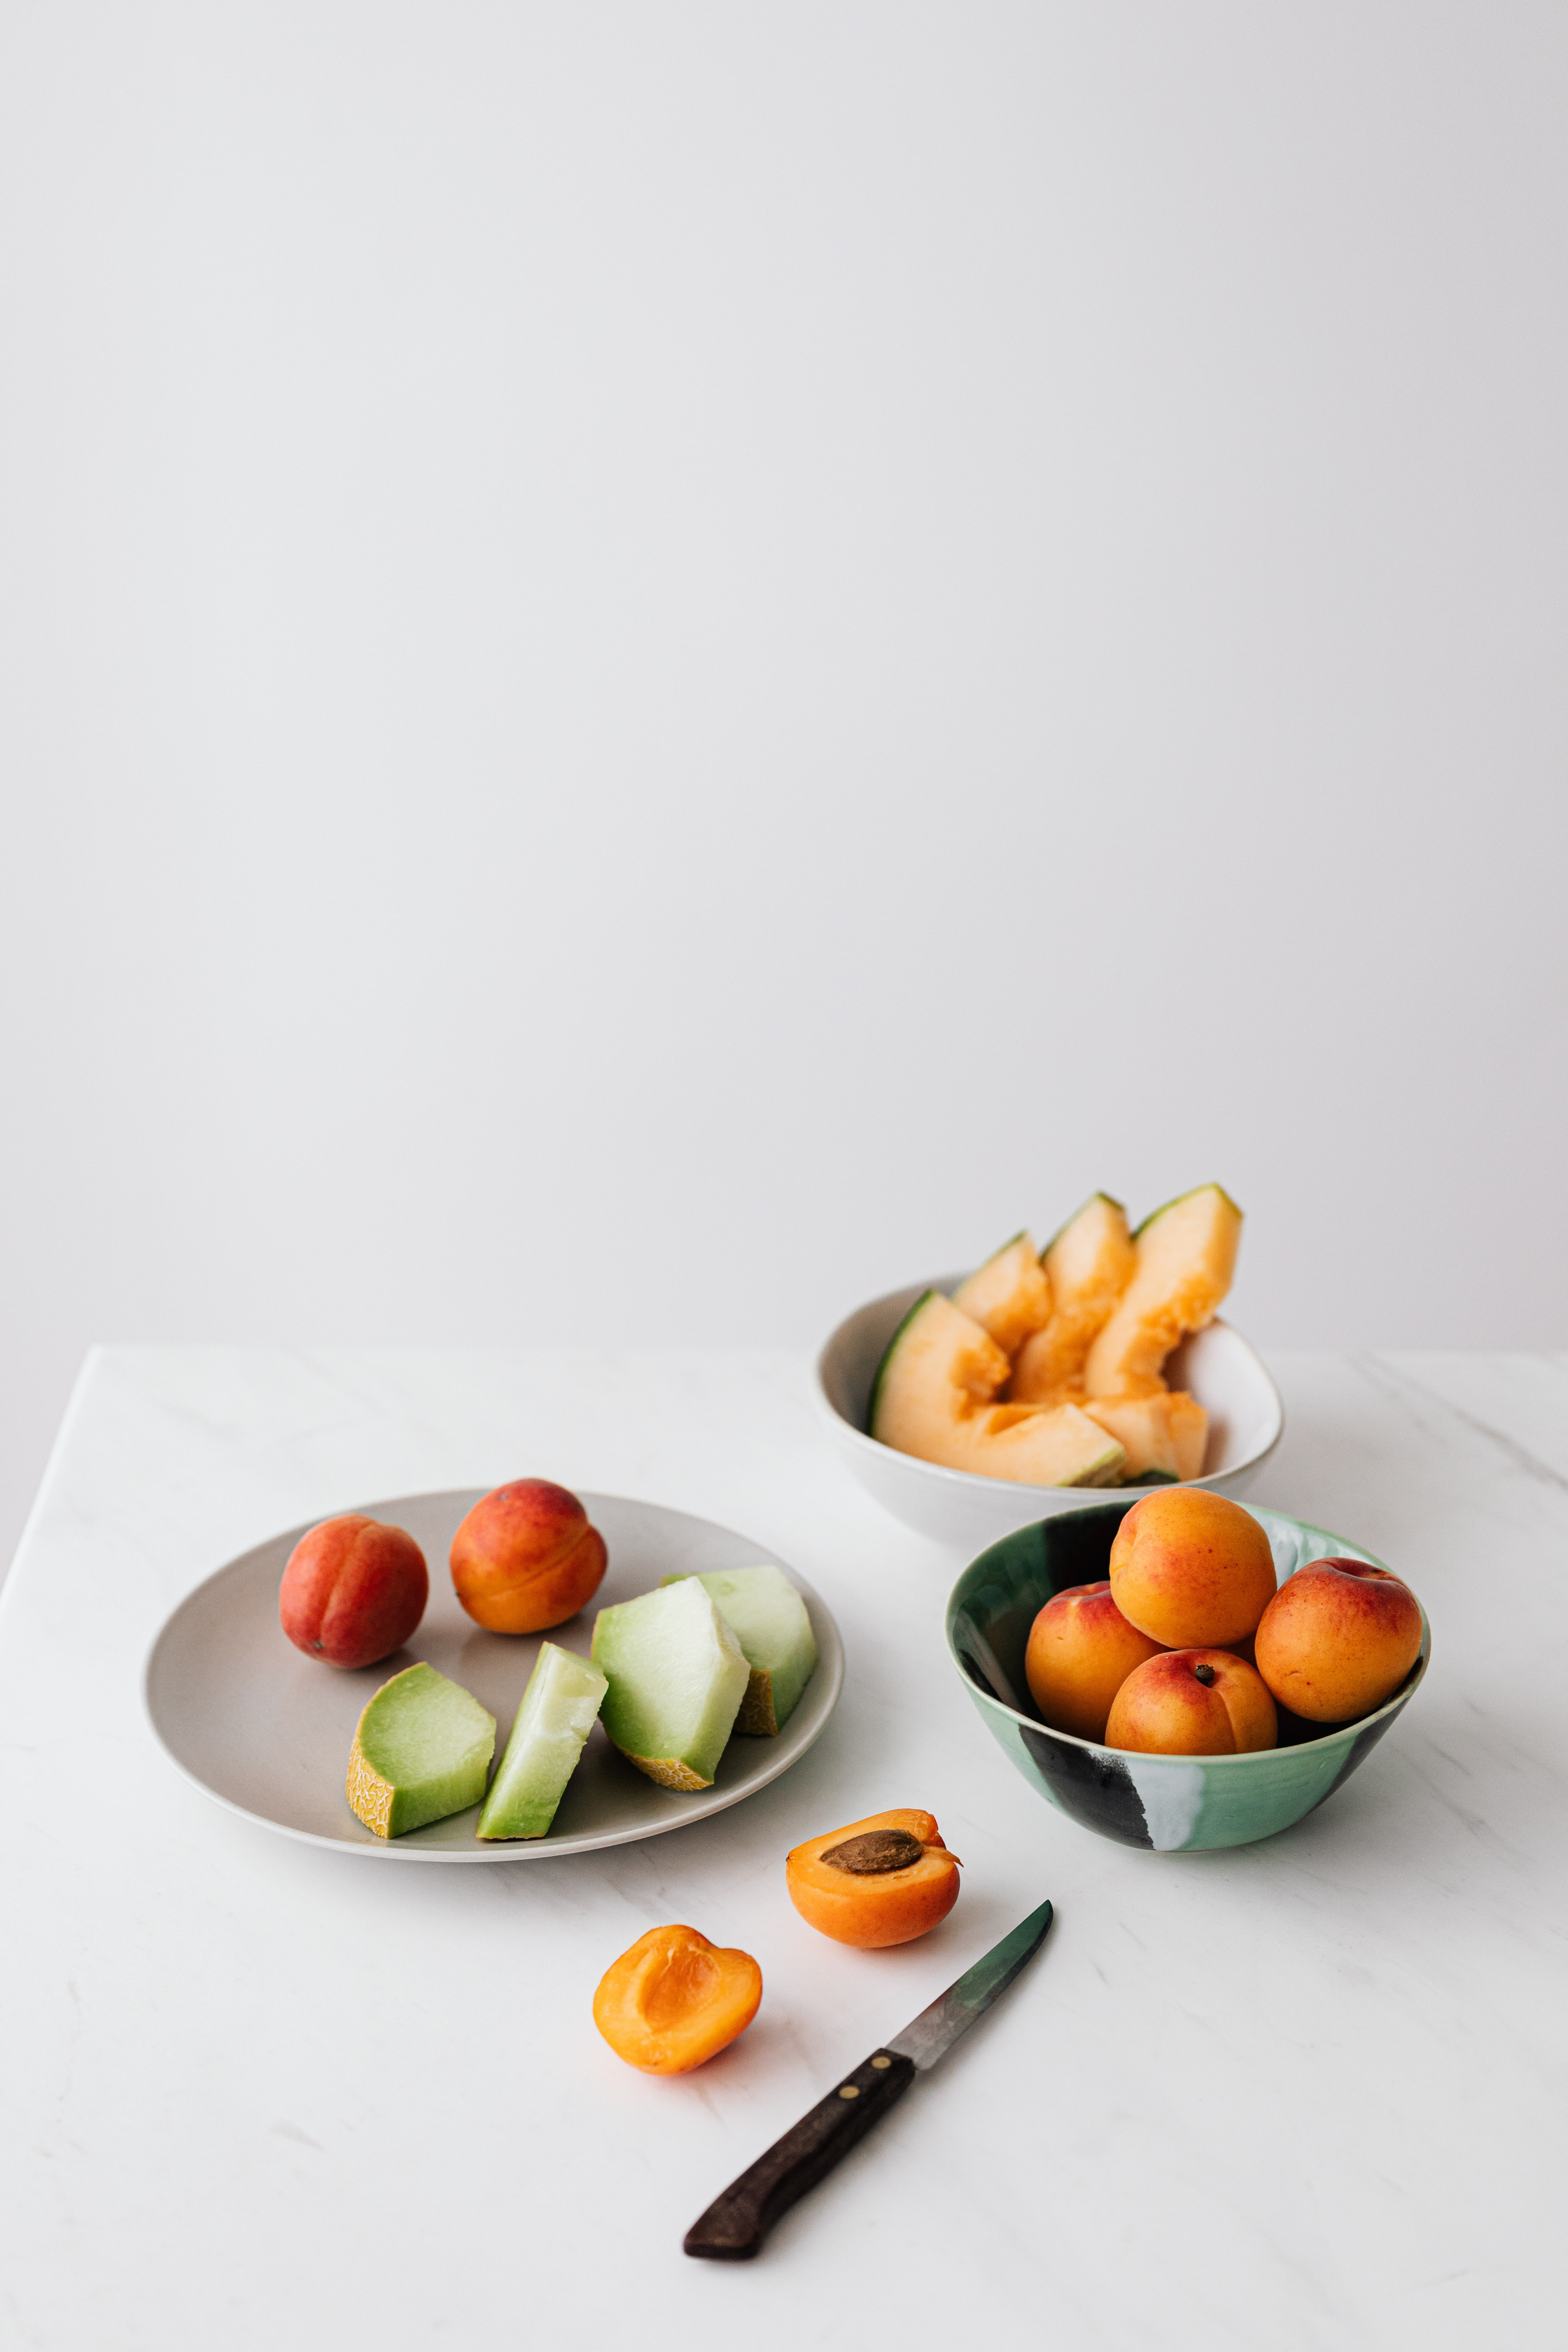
(769, 1620)
(677, 1677)
(933, 1397)
(1168, 1432)
(557, 1713)
(1087, 1265)
(1010, 1295)
(1186, 1258)
(421, 1750)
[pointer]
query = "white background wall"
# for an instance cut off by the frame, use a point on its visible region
(664, 665)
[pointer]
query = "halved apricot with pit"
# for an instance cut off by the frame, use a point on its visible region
(674, 2000)
(885, 1880)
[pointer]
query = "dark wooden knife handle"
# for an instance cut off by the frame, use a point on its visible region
(734, 2228)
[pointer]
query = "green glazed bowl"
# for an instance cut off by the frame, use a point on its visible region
(1172, 1804)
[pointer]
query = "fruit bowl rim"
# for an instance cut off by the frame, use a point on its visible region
(1345, 1550)
(976, 1479)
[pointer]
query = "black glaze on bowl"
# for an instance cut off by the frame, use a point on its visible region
(990, 1632)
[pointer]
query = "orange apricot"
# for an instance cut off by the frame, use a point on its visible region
(1191, 1570)
(885, 1880)
(526, 1557)
(1194, 1703)
(1338, 1638)
(1081, 1650)
(674, 2000)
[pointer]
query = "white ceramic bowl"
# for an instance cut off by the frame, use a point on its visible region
(955, 1507)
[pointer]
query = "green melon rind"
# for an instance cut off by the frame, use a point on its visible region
(558, 1711)
(891, 1350)
(1077, 1214)
(775, 1637)
(1167, 1206)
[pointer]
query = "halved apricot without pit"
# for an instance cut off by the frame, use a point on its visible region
(885, 1880)
(674, 2000)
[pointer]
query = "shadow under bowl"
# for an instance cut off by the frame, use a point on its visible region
(1171, 1804)
(957, 1507)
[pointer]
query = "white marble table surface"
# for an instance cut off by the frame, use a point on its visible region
(262, 2097)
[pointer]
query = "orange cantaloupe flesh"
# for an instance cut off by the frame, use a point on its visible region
(1088, 1266)
(934, 1397)
(1186, 1259)
(1010, 1295)
(1168, 1432)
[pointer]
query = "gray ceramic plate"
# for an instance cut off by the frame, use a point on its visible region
(267, 1731)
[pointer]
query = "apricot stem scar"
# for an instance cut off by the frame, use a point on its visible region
(1202, 1674)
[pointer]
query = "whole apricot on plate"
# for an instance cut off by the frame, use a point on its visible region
(1194, 1703)
(527, 1558)
(1338, 1638)
(674, 2000)
(1191, 1570)
(353, 1592)
(885, 1880)
(1081, 1650)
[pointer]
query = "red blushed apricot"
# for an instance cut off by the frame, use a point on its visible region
(1194, 1703)
(1338, 1638)
(1081, 1650)
(1191, 1570)
(674, 2000)
(353, 1591)
(885, 1880)
(526, 1557)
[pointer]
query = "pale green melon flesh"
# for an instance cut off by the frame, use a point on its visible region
(1010, 1295)
(769, 1620)
(421, 1750)
(1185, 1260)
(1089, 1265)
(554, 1722)
(932, 1398)
(677, 1676)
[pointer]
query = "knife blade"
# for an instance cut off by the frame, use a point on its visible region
(736, 2224)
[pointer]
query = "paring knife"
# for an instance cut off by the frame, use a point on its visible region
(734, 2228)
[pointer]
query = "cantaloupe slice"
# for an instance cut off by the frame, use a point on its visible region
(769, 1621)
(677, 1677)
(1010, 1295)
(1169, 1432)
(1186, 1257)
(422, 1752)
(1089, 1265)
(934, 1397)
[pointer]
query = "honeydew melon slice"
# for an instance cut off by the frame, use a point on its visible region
(1087, 1265)
(933, 1397)
(1186, 1259)
(1010, 1295)
(769, 1620)
(1168, 1432)
(552, 1724)
(677, 1677)
(421, 1750)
